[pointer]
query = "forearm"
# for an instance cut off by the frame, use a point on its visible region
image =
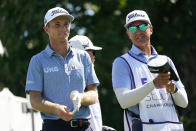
(128, 98)
(42, 105)
(46, 106)
(90, 97)
(180, 98)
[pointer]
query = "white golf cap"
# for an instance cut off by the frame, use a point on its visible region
(83, 43)
(137, 15)
(55, 12)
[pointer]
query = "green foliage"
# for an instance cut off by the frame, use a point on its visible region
(103, 22)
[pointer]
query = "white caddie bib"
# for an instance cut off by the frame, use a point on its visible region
(96, 118)
(157, 111)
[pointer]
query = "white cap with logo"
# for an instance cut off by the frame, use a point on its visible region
(55, 12)
(137, 15)
(83, 43)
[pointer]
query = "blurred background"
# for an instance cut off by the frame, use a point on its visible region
(174, 34)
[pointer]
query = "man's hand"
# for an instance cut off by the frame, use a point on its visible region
(162, 80)
(75, 96)
(171, 87)
(64, 113)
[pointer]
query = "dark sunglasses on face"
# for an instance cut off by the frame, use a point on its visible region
(142, 27)
(93, 51)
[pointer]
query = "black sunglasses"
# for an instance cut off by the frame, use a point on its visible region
(92, 51)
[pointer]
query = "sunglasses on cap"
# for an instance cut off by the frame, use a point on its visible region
(142, 27)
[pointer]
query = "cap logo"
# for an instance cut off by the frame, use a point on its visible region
(58, 11)
(135, 15)
(85, 46)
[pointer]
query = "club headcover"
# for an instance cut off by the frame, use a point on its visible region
(161, 65)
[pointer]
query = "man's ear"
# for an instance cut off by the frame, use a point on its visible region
(45, 29)
(128, 34)
(151, 29)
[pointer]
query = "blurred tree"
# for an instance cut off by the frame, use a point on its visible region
(102, 21)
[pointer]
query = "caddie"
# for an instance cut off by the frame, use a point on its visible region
(148, 99)
(84, 43)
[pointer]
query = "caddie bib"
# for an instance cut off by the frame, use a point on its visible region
(157, 110)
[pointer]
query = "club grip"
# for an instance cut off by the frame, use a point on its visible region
(173, 75)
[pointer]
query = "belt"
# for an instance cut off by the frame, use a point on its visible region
(71, 123)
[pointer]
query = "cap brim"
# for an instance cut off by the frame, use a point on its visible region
(93, 48)
(70, 17)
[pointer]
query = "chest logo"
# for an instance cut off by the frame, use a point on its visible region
(73, 67)
(51, 69)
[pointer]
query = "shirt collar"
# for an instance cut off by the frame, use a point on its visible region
(138, 52)
(51, 52)
(153, 51)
